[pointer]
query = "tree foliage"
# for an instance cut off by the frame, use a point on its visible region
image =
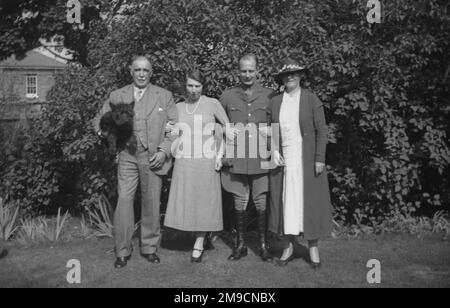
(24, 24)
(385, 88)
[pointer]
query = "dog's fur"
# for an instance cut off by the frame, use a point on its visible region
(117, 126)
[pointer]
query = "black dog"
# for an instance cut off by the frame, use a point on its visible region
(117, 127)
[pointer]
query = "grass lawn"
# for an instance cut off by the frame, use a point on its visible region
(406, 261)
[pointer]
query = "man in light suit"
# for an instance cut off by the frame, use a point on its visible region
(154, 108)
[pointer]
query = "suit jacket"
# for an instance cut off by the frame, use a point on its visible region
(244, 110)
(156, 108)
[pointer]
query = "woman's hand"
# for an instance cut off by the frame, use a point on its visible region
(278, 159)
(172, 129)
(169, 126)
(231, 133)
(319, 168)
(219, 164)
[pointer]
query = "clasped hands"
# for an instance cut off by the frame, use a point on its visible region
(157, 160)
(172, 129)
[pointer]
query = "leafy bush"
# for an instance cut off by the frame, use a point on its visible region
(8, 219)
(101, 218)
(437, 225)
(384, 87)
(35, 229)
(59, 161)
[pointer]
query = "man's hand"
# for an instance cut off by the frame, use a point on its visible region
(157, 160)
(265, 131)
(319, 167)
(231, 133)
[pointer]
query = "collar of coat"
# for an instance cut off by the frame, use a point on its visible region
(257, 90)
(149, 98)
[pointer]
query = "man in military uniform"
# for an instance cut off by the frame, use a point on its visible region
(247, 108)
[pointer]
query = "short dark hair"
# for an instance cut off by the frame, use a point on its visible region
(249, 56)
(197, 75)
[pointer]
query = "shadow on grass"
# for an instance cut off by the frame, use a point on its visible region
(276, 244)
(177, 240)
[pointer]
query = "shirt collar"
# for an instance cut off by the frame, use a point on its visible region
(136, 89)
(254, 87)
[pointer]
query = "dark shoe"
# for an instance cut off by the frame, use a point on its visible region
(238, 253)
(263, 251)
(240, 250)
(3, 253)
(280, 262)
(265, 254)
(152, 258)
(316, 265)
(197, 259)
(121, 262)
(207, 244)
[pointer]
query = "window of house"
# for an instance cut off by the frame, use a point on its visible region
(32, 86)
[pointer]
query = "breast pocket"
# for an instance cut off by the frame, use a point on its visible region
(156, 119)
(262, 114)
(162, 116)
(234, 113)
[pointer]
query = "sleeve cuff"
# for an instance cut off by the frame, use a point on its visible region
(164, 151)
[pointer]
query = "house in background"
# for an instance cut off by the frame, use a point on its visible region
(24, 84)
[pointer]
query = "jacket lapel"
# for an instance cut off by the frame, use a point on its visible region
(241, 94)
(126, 95)
(277, 107)
(257, 92)
(150, 99)
(303, 110)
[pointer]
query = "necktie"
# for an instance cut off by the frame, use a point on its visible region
(139, 94)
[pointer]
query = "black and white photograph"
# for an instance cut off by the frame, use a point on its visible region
(224, 151)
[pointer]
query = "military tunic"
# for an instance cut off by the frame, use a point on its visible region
(243, 171)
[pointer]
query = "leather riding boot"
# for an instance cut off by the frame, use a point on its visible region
(262, 228)
(207, 244)
(240, 249)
